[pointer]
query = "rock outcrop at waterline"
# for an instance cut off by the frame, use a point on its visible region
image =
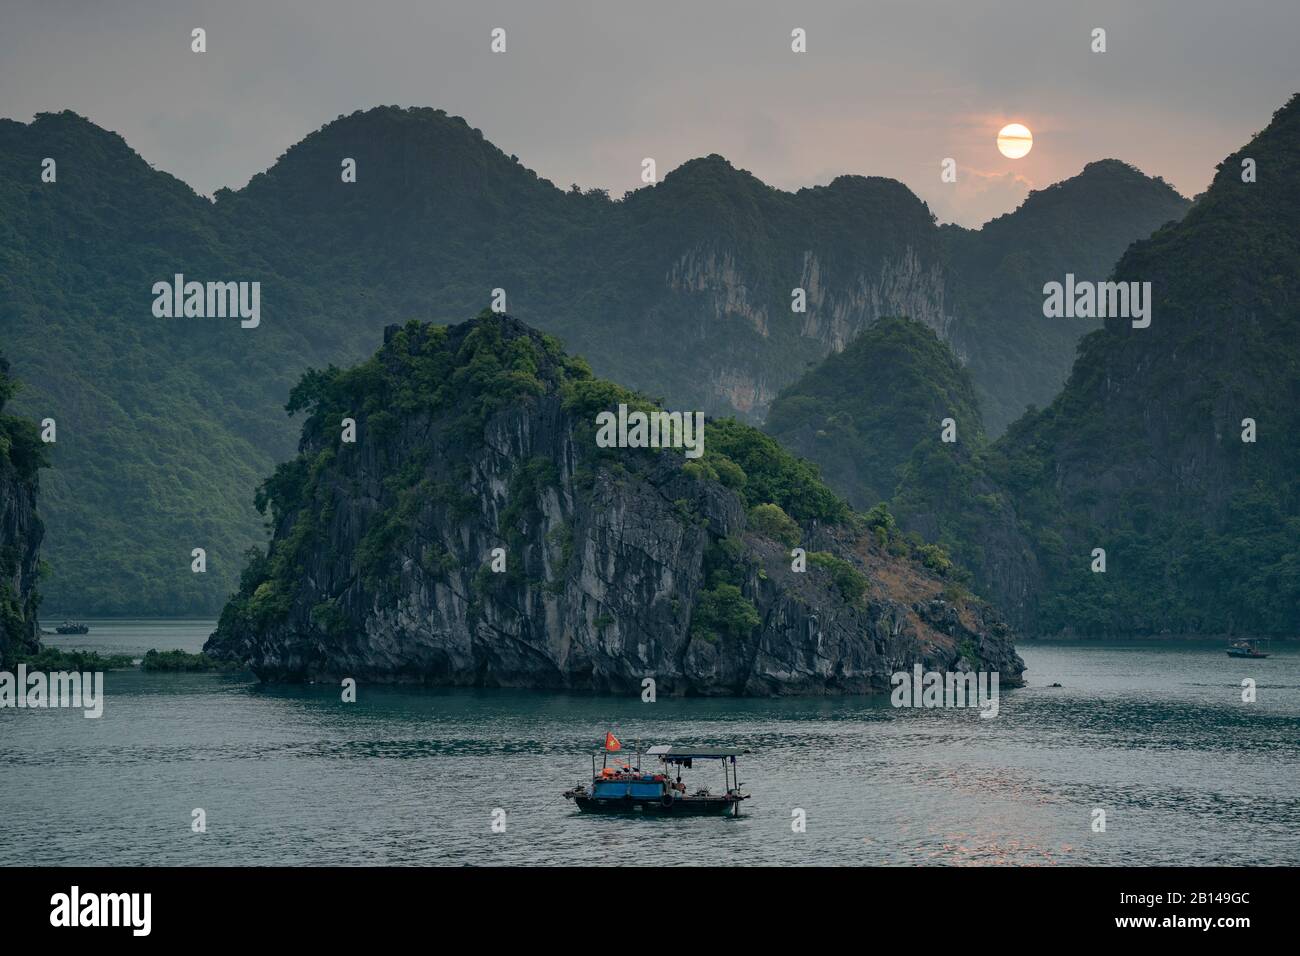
(20, 529)
(618, 563)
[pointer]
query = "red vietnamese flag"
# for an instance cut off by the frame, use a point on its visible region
(611, 742)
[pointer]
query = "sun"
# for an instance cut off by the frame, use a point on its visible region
(1015, 141)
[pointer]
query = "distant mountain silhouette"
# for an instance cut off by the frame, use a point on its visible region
(682, 290)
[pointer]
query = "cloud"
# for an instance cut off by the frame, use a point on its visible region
(587, 89)
(977, 196)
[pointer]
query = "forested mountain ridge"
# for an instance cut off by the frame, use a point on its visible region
(682, 290)
(162, 426)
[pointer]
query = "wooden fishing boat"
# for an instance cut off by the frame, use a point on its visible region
(1245, 648)
(626, 788)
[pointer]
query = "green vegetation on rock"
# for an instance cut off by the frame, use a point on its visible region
(177, 661)
(863, 413)
(50, 659)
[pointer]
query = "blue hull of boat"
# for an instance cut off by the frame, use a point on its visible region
(682, 806)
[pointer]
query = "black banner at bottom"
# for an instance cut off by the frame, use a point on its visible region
(334, 905)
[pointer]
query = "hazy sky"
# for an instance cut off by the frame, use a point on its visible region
(587, 89)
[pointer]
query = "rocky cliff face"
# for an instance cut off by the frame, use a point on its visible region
(701, 273)
(615, 564)
(20, 531)
(742, 335)
(905, 285)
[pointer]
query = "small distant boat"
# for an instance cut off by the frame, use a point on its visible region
(626, 788)
(1245, 648)
(72, 627)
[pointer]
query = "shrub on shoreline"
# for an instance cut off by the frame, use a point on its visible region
(56, 659)
(178, 661)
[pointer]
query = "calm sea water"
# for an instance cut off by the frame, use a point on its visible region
(1154, 734)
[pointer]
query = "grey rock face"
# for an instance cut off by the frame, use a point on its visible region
(20, 541)
(604, 567)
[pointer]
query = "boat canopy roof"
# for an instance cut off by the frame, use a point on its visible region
(692, 753)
